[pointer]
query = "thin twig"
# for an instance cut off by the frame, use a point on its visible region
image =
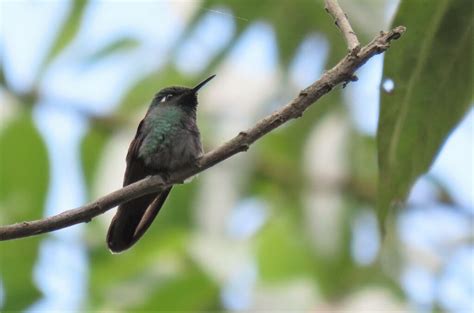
(340, 18)
(341, 73)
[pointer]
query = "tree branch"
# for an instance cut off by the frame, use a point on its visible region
(343, 72)
(341, 21)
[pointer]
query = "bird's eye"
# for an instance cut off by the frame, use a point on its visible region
(166, 98)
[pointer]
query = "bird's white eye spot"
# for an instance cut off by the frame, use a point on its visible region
(166, 98)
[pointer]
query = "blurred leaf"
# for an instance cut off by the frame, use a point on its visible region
(283, 253)
(92, 148)
(179, 206)
(282, 152)
(141, 92)
(118, 45)
(363, 178)
(432, 73)
(111, 271)
(68, 31)
(159, 272)
(189, 291)
(289, 32)
(2, 73)
(23, 188)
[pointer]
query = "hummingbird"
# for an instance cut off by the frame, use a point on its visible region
(166, 140)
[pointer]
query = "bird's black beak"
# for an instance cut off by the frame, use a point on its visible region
(201, 84)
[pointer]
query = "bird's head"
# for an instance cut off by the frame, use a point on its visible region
(180, 96)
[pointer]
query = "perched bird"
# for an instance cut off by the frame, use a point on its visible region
(166, 140)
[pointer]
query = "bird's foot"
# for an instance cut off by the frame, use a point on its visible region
(164, 175)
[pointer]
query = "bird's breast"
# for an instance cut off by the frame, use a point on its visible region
(169, 143)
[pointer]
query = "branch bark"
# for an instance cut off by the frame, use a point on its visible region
(341, 21)
(343, 72)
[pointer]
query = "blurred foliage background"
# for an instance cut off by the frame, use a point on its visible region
(292, 223)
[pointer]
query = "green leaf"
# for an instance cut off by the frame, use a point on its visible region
(118, 45)
(68, 31)
(23, 188)
(431, 68)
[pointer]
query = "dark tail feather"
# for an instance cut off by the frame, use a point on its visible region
(133, 219)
